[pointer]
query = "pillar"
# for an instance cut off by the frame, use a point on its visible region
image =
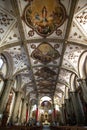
(83, 85)
(70, 112)
(67, 109)
(27, 112)
(23, 112)
(37, 114)
(5, 95)
(77, 108)
(16, 107)
(63, 113)
(53, 112)
(61, 116)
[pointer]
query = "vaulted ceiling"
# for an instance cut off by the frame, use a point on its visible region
(45, 39)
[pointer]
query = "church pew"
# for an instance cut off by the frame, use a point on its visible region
(67, 128)
(82, 128)
(21, 128)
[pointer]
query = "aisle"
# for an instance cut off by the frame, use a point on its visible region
(46, 127)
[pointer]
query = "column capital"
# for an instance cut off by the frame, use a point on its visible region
(79, 80)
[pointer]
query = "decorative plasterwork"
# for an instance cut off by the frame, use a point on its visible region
(80, 5)
(7, 21)
(80, 19)
(25, 80)
(76, 35)
(13, 35)
(67, 65)
(72, 54)
(32, 96)
(64, 76)
(25, 71)
(29, 90)
(78, 31)
(19, 58)
(61, 86)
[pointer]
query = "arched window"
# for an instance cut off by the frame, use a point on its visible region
(1, 62)
(3, 72)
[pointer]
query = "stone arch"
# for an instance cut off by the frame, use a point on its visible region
(72, 82)
(33, 101)
(82, 68)
(9, 61)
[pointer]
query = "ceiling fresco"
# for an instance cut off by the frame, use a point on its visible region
(45, 72)
(46, 83)
(44, 19)
(45, 53)
(44, 16)
(45, 39)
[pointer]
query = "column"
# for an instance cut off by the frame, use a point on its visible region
(53, 112)
(67, 106)
(23, 112)
(27, 113)
(22, 104)
(29, 110)
(67, 109)
(63, 113)
(82, 83)
(5, 95)
(77, 108)
(16, 107)
(37, 111)
(37, 114)
(61, 116)
(72, 112)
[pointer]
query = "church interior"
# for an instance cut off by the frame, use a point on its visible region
(50, 91)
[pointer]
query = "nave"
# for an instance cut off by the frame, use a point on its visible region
(43, 64)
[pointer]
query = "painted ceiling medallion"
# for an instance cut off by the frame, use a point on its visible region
(45, 53)
(45, 72)
(44, 16)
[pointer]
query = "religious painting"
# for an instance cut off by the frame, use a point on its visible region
(45, 72)
(44, 16)
(45, 53)
(45, 83)
(43, 91)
